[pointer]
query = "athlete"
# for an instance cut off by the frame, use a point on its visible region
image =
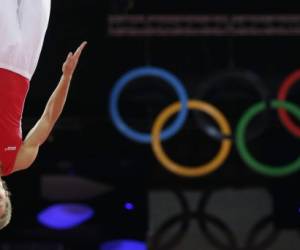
(23, 24)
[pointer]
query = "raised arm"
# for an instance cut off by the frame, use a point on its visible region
(40, 132)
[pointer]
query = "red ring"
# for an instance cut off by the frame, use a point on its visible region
(285, 118)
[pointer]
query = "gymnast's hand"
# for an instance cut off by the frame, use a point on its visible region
(71, 62)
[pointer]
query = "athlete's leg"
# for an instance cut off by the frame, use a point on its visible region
(34, 18)
(9, 24)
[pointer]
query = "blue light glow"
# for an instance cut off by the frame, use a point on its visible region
(65, 216)
(129, 206)
(123, 245)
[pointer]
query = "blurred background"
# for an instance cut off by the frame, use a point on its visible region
(93, 186)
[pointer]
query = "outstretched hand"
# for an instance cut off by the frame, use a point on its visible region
(71, 62)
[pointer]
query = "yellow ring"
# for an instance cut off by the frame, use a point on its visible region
(188, 171)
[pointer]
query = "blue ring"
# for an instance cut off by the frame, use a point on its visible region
(171, 79)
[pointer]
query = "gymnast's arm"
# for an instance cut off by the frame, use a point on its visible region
(40, 132)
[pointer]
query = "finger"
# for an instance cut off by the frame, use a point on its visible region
(69, 60)
(79, 50)
(72, 59)
(70, 54)
(82, 45)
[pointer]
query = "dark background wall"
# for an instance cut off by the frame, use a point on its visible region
(85, 142)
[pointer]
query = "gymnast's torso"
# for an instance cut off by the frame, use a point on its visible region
(13, 91)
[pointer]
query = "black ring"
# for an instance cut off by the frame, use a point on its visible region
(203, 217)
(268, 241)
(245, 78)
(184, 217)
(250, 242)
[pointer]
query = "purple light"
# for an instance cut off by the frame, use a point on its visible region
(129, 206)
(65, 216)
(123, 245)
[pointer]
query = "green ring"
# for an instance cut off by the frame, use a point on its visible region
(246, 156)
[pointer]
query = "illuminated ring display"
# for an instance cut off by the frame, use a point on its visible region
(250, 161)
(187, 171)
(241, 78)
(170, 79)
(282, 95)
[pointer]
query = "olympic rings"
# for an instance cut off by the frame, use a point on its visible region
(185, 170)
(241, 144)
(282, 94)
(243, 78)
(170, 79)
(185, 104)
